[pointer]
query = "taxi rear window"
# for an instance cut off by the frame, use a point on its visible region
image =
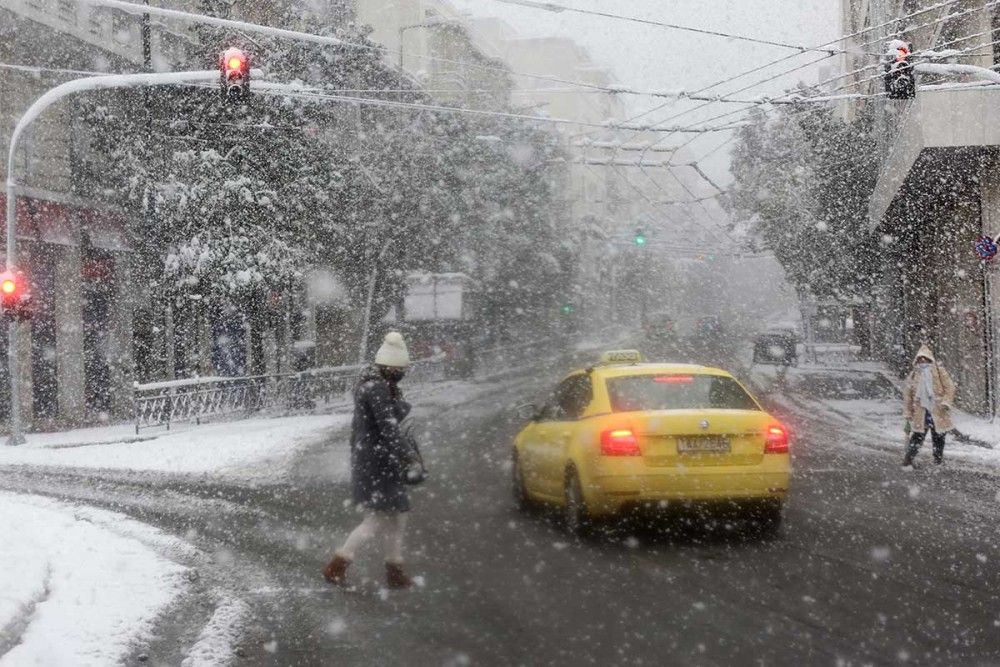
(635, 393)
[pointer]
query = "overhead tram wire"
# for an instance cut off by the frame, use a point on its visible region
(261, 87)
(964, 53)
(557, 8)
(805, 111)
(767, 65)
(306, 94)
(950, 17)
(779, 100)
(731, 113)
(691, 221)
(137, 9)
(967, 52)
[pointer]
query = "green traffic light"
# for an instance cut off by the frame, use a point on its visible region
(567, 309)
(640, 239)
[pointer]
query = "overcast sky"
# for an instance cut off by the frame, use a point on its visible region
(656, 58)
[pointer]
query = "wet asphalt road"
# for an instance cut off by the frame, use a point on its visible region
(874, 565)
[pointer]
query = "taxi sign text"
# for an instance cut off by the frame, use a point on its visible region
(621, 357)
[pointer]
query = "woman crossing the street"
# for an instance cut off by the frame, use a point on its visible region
(379, 460)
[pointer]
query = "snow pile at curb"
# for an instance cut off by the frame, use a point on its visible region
(253, 448)
(217, 642)
(80, 586)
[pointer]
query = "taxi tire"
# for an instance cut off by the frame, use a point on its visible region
(576, 518)
(768, 520)
(522, 501)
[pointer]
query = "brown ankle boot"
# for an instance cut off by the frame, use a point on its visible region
(396, 578)
(336, 571)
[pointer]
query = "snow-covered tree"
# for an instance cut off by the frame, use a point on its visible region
(232, 202)
(805, 177)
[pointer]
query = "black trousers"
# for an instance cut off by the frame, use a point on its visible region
(917, 439)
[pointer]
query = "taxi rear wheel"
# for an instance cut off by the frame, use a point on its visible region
(768, 519)
(575, 515)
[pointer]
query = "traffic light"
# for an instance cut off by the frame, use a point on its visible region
(900, 84)
(234, 67)
(15, 296)
(640, 238)
(567, 309)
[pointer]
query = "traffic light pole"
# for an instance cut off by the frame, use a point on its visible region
(34, 111)
(369, 304)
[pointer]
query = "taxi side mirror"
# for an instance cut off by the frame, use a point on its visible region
(528, 412)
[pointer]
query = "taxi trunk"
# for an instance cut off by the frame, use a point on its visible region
(685, 435)
(701, 437)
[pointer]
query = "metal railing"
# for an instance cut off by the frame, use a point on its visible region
(159, 404)
(196, 399)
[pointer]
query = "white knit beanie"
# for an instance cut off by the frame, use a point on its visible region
(393, 351)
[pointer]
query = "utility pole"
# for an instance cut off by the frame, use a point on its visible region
(147, 42)
(369, 303)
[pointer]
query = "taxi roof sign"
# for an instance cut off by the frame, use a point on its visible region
(621, 357)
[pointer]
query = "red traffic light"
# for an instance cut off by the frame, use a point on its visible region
(235, 63)
(234, 71)
(15, 297)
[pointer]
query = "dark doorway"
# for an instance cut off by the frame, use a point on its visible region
(44, 378)
(98, 299)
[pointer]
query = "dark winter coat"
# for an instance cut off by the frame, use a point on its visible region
(378, 454)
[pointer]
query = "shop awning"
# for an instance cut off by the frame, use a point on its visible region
(60, 224)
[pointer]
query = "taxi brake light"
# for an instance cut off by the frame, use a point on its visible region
(674, 379)
(620, 442)
(777, 440)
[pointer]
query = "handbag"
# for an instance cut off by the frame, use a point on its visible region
(414, 472)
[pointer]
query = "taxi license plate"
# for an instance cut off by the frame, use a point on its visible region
(703, 444)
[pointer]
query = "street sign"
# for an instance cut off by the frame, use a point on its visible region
(986, 248)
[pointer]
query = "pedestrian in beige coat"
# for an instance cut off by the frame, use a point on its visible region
(927, 402)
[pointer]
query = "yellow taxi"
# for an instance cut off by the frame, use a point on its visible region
(625, 436)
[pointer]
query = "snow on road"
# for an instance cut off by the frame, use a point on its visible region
(79, 586)
(253, 449)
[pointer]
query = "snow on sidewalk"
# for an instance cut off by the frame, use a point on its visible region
(253, 449)
(877, 422)
(258, 450)
(78, 586)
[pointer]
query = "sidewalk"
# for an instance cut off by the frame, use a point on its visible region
(873, 417)
(261, 449)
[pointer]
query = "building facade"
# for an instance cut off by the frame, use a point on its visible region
(483, 63)
(937, 190)
(76, 355)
